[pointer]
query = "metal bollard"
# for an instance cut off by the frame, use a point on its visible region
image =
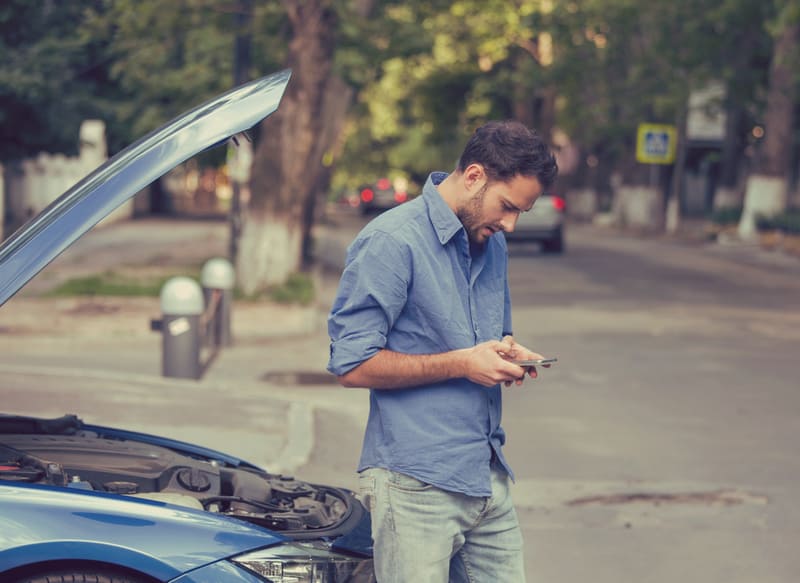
(181, 309)
(218, 278)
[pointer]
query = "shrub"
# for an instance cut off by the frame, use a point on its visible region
(726, 216)
(298, 289)
(110, 283)
(787, 221)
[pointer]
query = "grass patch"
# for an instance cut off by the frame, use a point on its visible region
(787, 222)
(727, 216)
(298, 288)
(111, 283)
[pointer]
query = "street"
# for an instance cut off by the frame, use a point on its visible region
(664, 438)
(660, 447)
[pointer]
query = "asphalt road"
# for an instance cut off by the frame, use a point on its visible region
(662, 446)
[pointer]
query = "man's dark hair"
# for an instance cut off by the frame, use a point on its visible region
(506, 149)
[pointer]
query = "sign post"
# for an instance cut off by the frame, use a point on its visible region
(656, 143)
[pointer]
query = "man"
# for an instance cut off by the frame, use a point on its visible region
(422, 318)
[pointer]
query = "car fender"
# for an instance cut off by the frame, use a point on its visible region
(46, 523)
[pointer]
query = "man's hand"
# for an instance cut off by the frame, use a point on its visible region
(519, 352)
(489, 363)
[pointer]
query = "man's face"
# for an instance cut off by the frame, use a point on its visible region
(495, 206)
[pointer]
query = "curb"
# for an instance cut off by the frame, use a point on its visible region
(300, 419)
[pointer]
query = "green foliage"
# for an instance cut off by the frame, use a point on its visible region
(612, 64)
(426, 73)
(298, 289)
(726, 216)
(48, 79)
(165, 57)
(134, 64)
(787, 222)
(111, 283)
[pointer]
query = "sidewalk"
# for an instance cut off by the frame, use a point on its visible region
(105, 345)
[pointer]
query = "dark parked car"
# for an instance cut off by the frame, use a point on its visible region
(544, 224)
(86, 503)
(381, 196)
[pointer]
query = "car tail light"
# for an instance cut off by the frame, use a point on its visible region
(367, 195)
(559, 203)
(400, 197)
(384, 184)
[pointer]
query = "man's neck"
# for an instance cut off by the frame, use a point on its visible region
(449, 188)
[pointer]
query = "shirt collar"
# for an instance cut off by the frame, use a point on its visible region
(442, 217)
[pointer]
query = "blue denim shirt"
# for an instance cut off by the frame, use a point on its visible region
(411, 285)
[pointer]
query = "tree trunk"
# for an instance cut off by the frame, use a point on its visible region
(338, 97)
(728, 193)
(288, 174)
(288, 156)
(767, 188)
(672, 213)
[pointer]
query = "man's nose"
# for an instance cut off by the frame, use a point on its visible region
(509, 222)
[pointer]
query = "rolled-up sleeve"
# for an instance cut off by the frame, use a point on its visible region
(372, 293)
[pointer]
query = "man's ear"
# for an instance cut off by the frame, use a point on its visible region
(474, 176)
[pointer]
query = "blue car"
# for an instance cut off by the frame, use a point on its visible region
(86, 503)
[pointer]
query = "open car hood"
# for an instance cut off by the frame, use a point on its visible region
(44, 237)
(66, 453)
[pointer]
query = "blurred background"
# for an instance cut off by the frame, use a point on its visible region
(665, 115)
(662, 446)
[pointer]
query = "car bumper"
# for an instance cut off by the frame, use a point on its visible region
(535, 234)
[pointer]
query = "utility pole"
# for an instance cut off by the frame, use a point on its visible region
(237, 157)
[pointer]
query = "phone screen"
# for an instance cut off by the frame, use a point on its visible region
(535, 362)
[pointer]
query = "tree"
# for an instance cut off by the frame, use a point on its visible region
(742, 62)
(288, 173)
(286, 162)
(52, 77)
(397, 92)
(450, 66)
(767, 187)
(164, 57)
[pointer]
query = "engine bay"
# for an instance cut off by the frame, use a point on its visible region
(70, 455)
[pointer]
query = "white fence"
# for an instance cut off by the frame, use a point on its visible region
(31, 185)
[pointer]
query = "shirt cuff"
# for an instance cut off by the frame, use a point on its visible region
(348, 353)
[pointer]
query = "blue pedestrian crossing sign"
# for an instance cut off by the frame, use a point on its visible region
(655, 143)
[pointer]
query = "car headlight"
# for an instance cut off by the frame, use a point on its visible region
(306, 562)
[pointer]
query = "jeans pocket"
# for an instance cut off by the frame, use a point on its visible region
(407, 483)
(366, 490)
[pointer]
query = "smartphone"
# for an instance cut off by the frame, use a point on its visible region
(535, 362)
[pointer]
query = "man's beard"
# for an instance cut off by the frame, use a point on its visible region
(471, 216)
